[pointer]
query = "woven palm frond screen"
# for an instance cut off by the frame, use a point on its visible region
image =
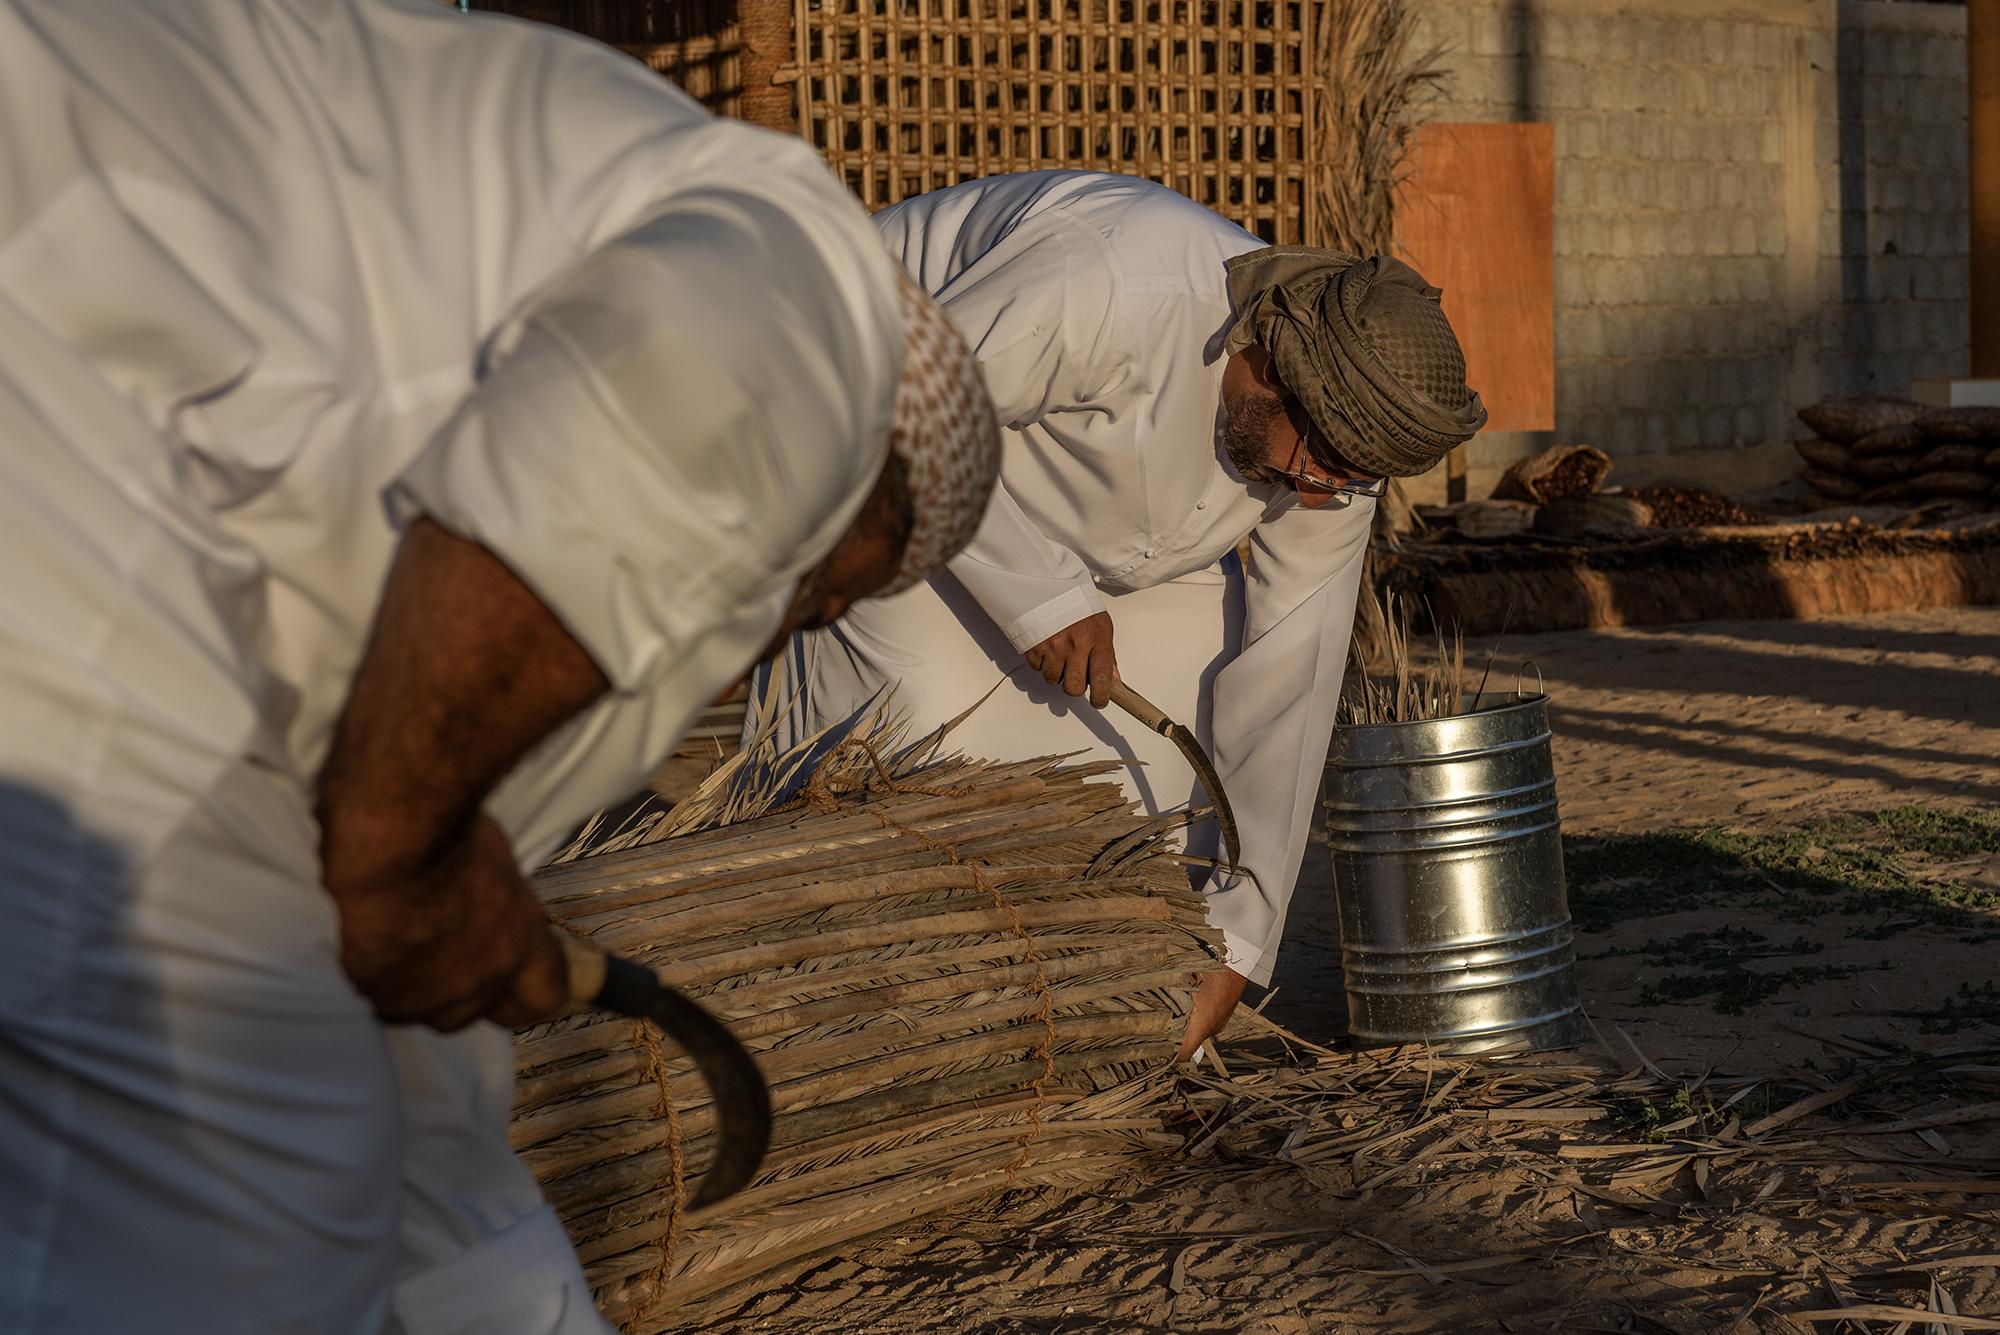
(1216, 98)
(1211, 97)
(696, 43)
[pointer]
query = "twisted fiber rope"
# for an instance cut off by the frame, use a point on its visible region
(663, 1106)
(822, 800)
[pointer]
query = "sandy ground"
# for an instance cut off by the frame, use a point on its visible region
(1750, 727)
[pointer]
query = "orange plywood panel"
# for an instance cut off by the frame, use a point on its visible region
(1476, 215)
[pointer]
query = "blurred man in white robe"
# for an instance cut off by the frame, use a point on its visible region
(411, 422)
(1171, 388)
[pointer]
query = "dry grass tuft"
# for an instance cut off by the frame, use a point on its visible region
(1404, 685)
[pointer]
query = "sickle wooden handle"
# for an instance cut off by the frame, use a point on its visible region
(1149, 714)
(1139, 707)
(587, 968)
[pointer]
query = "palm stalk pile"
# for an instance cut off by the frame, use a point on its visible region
(949, 971)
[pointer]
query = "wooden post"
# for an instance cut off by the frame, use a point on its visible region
(1982, 77)
(766, 26)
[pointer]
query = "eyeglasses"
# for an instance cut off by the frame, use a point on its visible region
(1373, 488)
(1303, 427)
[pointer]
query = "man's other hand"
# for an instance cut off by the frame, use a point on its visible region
(460, 940)
(1214, 1002)
(1078, 658)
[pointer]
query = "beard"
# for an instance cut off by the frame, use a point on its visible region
(1246, 432)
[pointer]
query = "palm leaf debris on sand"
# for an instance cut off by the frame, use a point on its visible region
(1300, 1188)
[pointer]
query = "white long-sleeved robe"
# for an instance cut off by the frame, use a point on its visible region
(1096, 307)
(274, 276)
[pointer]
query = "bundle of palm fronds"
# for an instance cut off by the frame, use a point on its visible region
(1406, 683)
(946, 968)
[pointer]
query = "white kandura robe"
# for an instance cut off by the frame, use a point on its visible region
(274, 275)
(1096, 306)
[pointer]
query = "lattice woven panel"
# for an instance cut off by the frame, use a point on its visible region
(696, 43)
(1211, 97)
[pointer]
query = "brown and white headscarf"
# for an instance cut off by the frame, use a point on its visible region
(946, 434)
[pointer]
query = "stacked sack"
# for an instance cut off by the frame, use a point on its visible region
(1559, 493)
(1884, 450)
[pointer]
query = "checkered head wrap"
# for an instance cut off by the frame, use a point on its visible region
(1365, 347)
(947, 436)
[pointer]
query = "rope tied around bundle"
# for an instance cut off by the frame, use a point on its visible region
(663, 1107)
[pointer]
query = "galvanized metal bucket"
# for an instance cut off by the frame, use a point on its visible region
(1447, 866)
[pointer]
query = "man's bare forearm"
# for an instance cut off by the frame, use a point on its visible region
(465, 670)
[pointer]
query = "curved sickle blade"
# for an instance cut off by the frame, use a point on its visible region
(742, 1101)
(1144, 710)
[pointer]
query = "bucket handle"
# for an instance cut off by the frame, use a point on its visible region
(1541, 686)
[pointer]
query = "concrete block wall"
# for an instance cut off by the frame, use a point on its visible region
(1899, 233)
(1757, 204)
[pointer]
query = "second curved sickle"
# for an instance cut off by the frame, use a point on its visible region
(1144, 710)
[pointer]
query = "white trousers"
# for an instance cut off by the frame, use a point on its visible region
(940, 653)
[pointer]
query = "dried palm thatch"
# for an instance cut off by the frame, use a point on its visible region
(1624, 1145)
(1376, 85)
(948, 970)
(1396, 1108)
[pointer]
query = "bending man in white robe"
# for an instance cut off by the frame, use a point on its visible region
(1170, 387)
(324, 315)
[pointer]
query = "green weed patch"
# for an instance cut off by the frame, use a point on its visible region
(1889, 866)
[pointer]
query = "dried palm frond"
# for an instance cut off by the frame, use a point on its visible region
(763, 775)
(1373, 96)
